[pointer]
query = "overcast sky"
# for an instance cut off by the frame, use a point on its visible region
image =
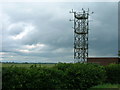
(42, 32)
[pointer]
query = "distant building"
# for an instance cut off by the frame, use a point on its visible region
(103, 60)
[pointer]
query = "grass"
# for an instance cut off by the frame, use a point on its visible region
(106, 86)
(26, 65)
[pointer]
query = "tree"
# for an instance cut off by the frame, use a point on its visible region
(119, 53)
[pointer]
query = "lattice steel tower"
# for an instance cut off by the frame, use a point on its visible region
(81, 27)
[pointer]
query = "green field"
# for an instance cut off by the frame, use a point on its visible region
(25, 65)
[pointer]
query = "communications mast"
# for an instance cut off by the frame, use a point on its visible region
(81, 27)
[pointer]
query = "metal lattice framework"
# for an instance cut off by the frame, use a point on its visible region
(81, 27)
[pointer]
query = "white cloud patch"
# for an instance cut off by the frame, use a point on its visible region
(34, 46)
(27, 29)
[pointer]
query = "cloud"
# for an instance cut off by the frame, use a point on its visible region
(42, 31)
(60, 1)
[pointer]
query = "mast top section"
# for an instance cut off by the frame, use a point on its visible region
(81, 15)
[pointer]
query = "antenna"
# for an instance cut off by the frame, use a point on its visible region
(80, 27)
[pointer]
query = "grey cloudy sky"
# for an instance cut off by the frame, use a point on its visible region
(41, 31)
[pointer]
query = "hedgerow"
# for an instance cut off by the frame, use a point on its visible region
(82, 75)
(33, 77)
(61, 76)
(113, 73)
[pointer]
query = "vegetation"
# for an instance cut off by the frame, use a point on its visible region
(106, 86)
(34, 77)
(27, 64)
(82, 75)
(119, 53)
(113, 73)
(61, 76)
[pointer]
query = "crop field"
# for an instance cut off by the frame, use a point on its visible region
(26, 65)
